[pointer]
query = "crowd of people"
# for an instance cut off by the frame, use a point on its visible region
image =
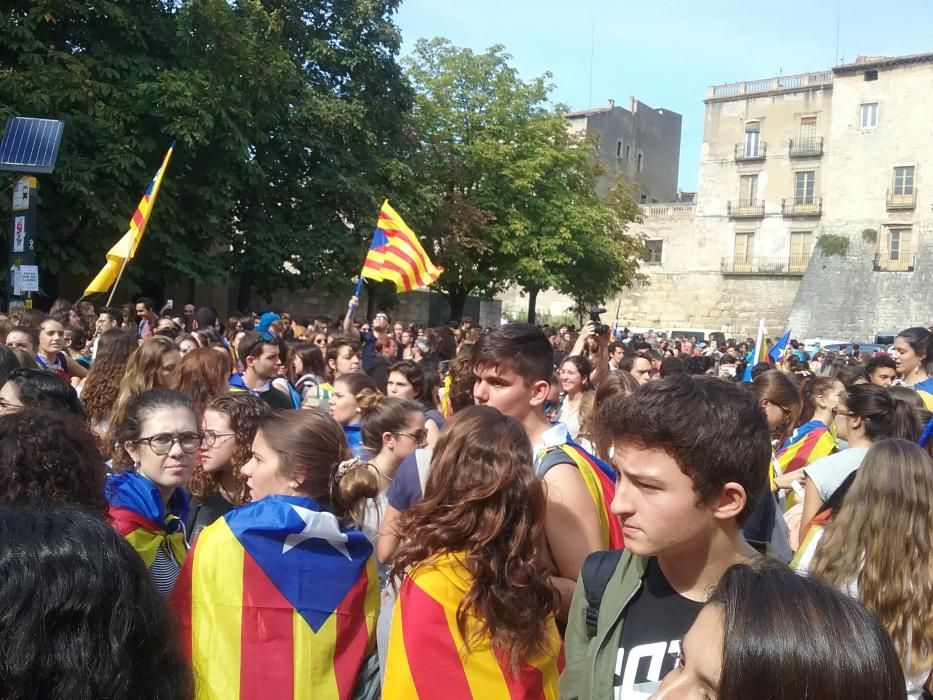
(289, 507)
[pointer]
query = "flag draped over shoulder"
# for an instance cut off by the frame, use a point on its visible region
(139, 514)
(277, 601)
(124, 249)
(395, 255)
(925, 391)
(600, 482)
(427, 659)
(808, 443)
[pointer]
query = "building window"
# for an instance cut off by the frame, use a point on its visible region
(752, 139)
(895, 251)
(619, 148)
(904, 179)
(899, 244)
(743, 251)
(628, 153)
(803, 187)
(807, 129)
(639, 160)
(644, 198)
(653, 252)
(748, 190)
(800, 246)
(869, 115)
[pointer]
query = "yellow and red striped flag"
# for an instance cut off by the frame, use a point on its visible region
(427, 658)
(277, 601)
(395, 255)
(808, 443)
(124, 249)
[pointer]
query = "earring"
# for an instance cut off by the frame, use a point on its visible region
(293, 485)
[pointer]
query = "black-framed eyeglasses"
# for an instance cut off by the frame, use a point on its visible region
(419, 436)
(785, 411)
(837, 412)
(212, 436)
(162, 443)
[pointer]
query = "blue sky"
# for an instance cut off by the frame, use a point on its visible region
(667, 52)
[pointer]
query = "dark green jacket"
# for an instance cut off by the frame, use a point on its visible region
(590, 663)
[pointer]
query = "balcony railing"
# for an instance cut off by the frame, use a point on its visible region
(902, 200)
(806, 148)
(746, 208)
(806, 207)
(746, 151)
(904, 262)
(786, 265)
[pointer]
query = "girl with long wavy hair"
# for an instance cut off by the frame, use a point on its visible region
(217, 486)
(102, 385)
(879, 547)
(151, 366)
(475, 609)
(203, 375)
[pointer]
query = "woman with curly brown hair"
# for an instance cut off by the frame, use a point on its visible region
(50, 458)
(475, 609)
(102, 385)
(202, 376)
(230, 424)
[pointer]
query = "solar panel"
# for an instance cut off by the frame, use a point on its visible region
(30, 145)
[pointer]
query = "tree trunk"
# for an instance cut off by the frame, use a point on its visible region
(456, 298)
(532, 303)
(244, 293)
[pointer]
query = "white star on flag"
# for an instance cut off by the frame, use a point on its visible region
(324, 526)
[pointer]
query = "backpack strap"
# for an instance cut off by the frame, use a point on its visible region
(551, 458)
(596, 573)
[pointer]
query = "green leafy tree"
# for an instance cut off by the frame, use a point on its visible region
(288, 121)
(506, 194)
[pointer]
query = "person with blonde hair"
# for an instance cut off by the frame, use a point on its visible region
(879, 548)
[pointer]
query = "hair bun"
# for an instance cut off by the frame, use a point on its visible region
(369, 399)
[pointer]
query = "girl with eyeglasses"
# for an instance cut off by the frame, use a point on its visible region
(157, 441)
(864, 415)
(217, 486)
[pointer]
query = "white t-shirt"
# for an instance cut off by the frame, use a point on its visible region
(828, 473)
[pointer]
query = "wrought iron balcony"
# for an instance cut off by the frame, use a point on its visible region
(812, 206)
(784, 265)
(902, 200)
(746, 208)
(747, 151)
(806, 148)
(903, 263)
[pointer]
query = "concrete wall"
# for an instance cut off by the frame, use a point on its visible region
(652, 133)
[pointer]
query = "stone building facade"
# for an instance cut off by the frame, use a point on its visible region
(785, 161)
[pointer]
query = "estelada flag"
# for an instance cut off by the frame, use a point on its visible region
(138, 512)
(124, 249)
(599, 479)
(395, 254)
(278, 601)
(428, 660)
(808, 443)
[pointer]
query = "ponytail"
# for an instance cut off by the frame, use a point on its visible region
(883, 415)
(354, 483)
(809, 391)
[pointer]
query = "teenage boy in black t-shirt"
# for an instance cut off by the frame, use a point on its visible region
(691, 455)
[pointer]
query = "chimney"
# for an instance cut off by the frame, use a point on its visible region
(612, 103)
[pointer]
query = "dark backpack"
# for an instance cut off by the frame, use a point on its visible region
(596, 573)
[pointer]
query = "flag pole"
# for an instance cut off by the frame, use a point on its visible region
(113, 289)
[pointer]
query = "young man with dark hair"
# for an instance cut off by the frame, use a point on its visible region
(260, 357)
(882, 371)
(384, 356)
(616, 353)
(513, 366)
(691, 455)
(206, 317)
(638, 366)
(146, 317)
